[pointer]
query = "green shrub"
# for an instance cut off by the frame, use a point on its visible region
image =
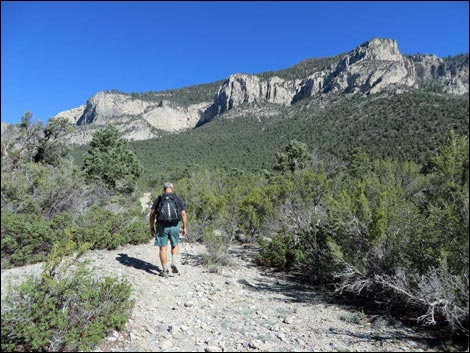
(395, 231)
(25, 239)
(107, 230)
(217, 245)
(65, 309)
(281, 252)
(352, 318)
(28, 238)
(307, 252)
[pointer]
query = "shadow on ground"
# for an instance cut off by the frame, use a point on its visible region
(137, 263)
(191, 259)
(295, 288)
(245, 252)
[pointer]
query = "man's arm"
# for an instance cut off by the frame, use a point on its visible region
(184, 219)
(152, 221)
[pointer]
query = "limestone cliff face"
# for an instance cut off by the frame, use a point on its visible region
(72, 115)
(170, 117)
(104, 107)
(373, 67)
(378, 65)
(133, 130)
(239, 89)
(4, 127)
(370, 68)
(452, 78)
(136, 119)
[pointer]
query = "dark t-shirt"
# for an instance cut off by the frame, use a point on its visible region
(178, 200)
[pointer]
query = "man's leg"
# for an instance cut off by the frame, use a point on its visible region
(163, 258)
(174, 239)
(162, 241)
(174, 258)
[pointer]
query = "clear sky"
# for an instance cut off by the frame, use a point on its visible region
(55, 55)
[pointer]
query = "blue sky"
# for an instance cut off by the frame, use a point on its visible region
(55, 55)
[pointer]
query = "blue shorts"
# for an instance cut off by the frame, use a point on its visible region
(163, 233)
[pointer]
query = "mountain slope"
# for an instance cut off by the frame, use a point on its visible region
(374, 67)
(409, 126)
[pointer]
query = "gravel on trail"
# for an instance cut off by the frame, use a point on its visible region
(241, 307)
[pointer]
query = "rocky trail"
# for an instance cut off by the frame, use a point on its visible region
(240, 308)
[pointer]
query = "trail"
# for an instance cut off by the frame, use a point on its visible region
(240, 308)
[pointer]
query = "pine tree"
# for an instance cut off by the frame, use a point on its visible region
(111, 161)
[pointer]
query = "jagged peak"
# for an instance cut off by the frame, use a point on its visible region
(378, 41)
(385, 49)
(240, 75)
(103, 94)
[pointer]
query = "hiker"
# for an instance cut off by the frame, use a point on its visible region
(170, 214)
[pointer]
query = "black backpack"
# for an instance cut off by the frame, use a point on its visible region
(167, 212)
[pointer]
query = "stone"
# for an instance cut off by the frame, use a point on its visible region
(265, 347)
(161, 328)
(150, 329)
(288, 320)
(166, 344)
(282, 337)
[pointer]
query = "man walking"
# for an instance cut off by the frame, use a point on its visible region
(170, 214)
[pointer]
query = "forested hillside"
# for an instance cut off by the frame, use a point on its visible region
(405, 127)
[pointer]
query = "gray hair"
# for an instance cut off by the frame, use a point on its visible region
(168, 185)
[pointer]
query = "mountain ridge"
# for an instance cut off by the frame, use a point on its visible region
(373, 67)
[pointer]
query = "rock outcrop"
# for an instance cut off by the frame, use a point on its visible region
(132, 130)
(4, 127)
(370, 68)
(373, 67)
(450, 77)
(72, 115)
(135, 118)
(239, 89)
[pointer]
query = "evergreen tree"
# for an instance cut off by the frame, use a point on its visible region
(296, 156)
(111, 161)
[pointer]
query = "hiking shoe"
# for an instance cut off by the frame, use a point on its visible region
(164, 274)
(174, 268)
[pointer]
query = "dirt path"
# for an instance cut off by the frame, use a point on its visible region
(240, 308)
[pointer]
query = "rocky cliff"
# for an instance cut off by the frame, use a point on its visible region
(373, 67)
(4, 126)
(239, 89)
(136, 119)
(451, 75)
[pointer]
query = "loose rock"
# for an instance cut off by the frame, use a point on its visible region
(238, 309)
